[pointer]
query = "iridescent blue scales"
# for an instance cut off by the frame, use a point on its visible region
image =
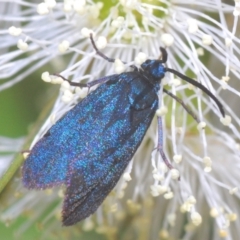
(89, 148)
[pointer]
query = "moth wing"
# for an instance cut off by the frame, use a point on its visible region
(48, 162)
(80, 204)
(94, 174)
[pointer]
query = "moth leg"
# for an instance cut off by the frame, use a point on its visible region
(74, 84)
(160, 144)
(100, 53)
(189, 111)
(82, 85)
(100, 81)
(106, 57)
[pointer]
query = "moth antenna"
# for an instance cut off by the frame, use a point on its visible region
(179, 100)
(198, 85)
(164, 55)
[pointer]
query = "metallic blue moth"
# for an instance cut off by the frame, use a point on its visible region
(89, 148)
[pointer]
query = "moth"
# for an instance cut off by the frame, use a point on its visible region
(89, 148)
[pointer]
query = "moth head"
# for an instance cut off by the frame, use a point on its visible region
(154, 68)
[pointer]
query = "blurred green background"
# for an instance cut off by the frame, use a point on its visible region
(22, 104)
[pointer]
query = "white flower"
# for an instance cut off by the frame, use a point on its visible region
(198, 45)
